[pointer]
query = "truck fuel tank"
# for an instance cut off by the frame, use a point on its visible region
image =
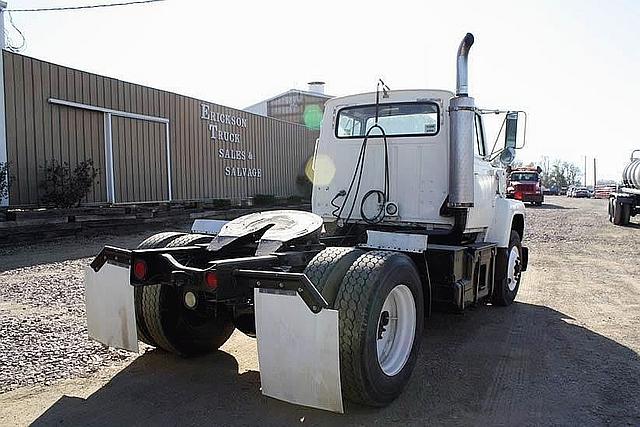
(631, 172)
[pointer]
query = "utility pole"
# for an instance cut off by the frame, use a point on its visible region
(595, 177)
(4, 201)
(584, 181)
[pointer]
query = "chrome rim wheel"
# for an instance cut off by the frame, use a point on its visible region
(396, 330)
(513, 268)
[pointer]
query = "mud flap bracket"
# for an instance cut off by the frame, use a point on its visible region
(280, 281)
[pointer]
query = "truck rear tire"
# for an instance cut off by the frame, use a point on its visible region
(381, 318)
(508, 274)
(621, 213)
(188, 240)
(159, 240)
(626, 214)
(327, 269)
(610, 210)
(617, 212)
(177, 329)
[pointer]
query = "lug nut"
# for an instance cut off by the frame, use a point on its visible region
(190, 299)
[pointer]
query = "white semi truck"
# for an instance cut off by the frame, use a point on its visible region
(409, 212)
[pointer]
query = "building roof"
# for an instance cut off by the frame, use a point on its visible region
(289, 92)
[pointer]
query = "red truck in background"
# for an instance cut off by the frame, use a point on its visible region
(523, 184)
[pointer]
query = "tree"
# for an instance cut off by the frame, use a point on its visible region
(563, 174)
(572, 172)
(545, 176)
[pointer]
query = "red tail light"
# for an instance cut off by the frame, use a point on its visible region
(140, 269)
(517, 195)
(211, 280)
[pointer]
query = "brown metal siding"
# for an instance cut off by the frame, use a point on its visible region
(38, 131)
(147, 175)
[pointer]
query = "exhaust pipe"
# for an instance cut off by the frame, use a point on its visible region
(461, 113)
(462, 83)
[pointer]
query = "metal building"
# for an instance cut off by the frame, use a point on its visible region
(296, 106)
(149, 145)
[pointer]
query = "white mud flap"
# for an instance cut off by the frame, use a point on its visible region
(111, 316)
(297, 351)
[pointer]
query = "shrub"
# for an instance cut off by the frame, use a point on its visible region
(4, 180)
(64, 187)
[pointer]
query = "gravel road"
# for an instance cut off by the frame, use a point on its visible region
(565, 353)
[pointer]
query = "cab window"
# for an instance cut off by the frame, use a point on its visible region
(397, 119)
(524, 176)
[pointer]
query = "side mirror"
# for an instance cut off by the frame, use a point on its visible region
(511, 130)
(512, 141)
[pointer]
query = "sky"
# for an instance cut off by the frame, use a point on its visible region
(557, 60)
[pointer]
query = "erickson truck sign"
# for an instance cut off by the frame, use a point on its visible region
(230, 152)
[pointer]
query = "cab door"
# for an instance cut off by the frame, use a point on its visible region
(485, 183)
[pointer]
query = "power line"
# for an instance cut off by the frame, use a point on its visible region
(8, 38)
(89, 6)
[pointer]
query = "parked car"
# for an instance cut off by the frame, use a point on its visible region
(581, 192)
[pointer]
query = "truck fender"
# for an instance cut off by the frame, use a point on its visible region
(509, 215)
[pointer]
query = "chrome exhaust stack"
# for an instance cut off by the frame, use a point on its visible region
(461, 112)
(462, 69)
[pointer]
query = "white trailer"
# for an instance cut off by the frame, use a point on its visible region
(409, 212)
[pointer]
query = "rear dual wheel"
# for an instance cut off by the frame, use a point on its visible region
(159, 240)
(381, 316)
(619, 213)
(327, 269)
(162, 319)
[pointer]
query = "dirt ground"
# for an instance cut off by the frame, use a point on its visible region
(566, 353)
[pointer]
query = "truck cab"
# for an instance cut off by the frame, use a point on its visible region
(410, 151)
(524, 185)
